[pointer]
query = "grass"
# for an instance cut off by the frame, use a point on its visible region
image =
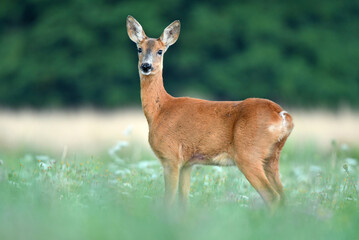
(118, 195)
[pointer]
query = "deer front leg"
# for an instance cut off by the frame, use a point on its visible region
(184, 185)
(171, 174)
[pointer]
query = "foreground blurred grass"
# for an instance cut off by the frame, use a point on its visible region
(118, 195)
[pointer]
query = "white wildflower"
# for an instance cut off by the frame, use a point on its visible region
(127, 185)
(344, 147)
(154, 176)
(206, 180)
(112, 151)
(301, 176)
(146, 164)
(351, 161)
(127, 131)
(315, 169)
(123, 172)
(45, 162)
(44, 166)
(244, 197)
(347, 168)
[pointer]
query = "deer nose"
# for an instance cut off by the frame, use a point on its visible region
(146, 67)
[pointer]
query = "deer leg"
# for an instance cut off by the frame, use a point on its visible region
(272, 172)
(256, 176)
(271, 168)
(184, 185)
(171, 175)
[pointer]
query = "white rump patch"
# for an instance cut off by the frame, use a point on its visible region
(280, 128)
(282, 114)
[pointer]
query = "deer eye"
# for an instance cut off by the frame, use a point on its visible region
(159, 52)
(139, 50)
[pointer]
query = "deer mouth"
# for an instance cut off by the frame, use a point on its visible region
(148, 72)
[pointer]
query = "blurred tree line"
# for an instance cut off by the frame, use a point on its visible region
(60, 53)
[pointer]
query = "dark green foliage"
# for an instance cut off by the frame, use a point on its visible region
(74, 53)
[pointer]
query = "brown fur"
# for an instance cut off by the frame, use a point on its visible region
(186, 131)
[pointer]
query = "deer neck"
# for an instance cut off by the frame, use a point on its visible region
(153, 95)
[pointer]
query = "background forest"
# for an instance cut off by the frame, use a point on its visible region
(77, 53)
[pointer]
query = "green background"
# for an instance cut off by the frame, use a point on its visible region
(77, 53)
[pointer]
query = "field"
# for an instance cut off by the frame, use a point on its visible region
(114, 191)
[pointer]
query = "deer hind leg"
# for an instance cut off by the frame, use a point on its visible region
(271, 168)
(272, 173)
(171, 175)
(253, 170)
(184, 185)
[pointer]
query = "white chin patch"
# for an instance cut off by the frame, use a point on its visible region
(147, 73)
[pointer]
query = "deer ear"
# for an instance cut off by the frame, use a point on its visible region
(134, 30)
(171, 33)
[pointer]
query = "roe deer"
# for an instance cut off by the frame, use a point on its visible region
(187, 131)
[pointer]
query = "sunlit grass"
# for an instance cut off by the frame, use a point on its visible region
(118, 195)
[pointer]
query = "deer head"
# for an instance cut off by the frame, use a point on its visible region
(151, 50)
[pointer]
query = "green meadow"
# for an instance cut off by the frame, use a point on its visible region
(118, 195)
